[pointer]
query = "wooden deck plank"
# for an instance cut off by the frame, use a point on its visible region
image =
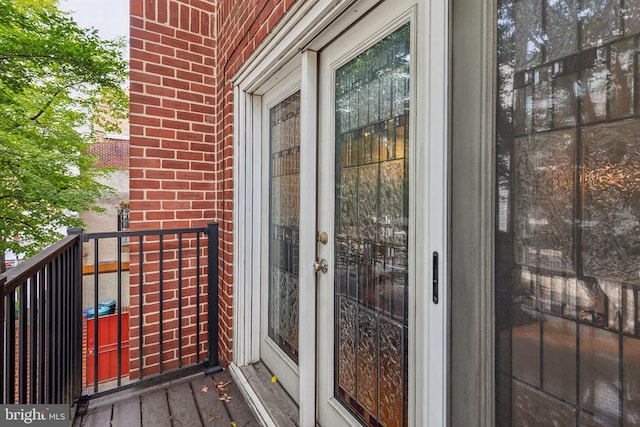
(127, 413)
(177, 403)
(211, 407)
(237, 407)
(184, 411)
(97, 417)
(155, 409)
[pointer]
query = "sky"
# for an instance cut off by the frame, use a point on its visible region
(109, 17)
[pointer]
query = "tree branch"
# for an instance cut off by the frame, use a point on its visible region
(36, 116)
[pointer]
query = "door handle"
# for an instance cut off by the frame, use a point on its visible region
(436, 279)
(321, 266)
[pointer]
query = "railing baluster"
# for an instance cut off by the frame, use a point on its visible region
(57, 291)
(50, 344)
(198, 297)
(10, 358)
(95, 314)
(180, 300)
(77, 312)
(33, 336)
(63, 327)
(119, 307)
(22, 344)
(140, 302)
(41, 333)
(68, 304)
(213, 295)
(161, 295)
(4, 351)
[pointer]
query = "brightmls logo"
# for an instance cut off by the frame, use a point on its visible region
(35, 415)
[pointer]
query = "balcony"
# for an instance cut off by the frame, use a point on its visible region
(116, 325)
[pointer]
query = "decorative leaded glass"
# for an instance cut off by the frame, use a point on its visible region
(372, 147)
(568, 213)
(284, 125)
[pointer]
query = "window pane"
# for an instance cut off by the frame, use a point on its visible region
(567, 213)
(372, 147)
(284, 216)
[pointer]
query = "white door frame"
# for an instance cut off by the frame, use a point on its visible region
(305, 29)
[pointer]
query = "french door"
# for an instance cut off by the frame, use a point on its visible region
(363, 339)
(279, 343)
(373, 172)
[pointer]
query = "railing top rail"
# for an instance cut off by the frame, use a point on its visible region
(137, 233)
(21, 272)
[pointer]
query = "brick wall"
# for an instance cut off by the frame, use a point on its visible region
(182, 59)
(172, 178)
(111, 153)
(241, 26)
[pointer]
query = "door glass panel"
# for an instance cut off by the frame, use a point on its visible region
(372, 200)
(568, 213)
(283, 228)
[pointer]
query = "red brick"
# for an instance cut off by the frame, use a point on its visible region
(159, 30)
(142, 56)
(193, 38)
(146, 184)
(161, 112)
(192, 77)
(147, 36)
(189, 96)
(189, 155)
(160, 133)
(161, 215)
(175, 164)
(189, 56)
(175, 145)
(176, 105)
(160, 91)
(175, 185)
(178, 84)
(174, 14)
(189, 136)
(150, 9)
(175, 42)
(175, 124)
(162, 11)
(159, 153)
(142, 77)
(184, 17)
(160, 69)
(136, 7)
(159, 48)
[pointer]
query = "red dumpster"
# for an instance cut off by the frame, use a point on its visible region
(108, 347)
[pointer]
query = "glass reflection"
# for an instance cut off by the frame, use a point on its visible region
(372, 140)
(568, 213)
(284, 217)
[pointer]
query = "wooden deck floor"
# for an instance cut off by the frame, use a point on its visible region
(194, 401)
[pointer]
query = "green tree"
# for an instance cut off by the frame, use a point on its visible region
(57, 82)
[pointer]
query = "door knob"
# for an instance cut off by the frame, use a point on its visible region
(321, 266)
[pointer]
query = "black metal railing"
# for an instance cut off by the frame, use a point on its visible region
(41, 329)
(62, 339)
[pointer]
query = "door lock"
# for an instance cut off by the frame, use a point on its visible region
(321, 266)
(322, 237)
